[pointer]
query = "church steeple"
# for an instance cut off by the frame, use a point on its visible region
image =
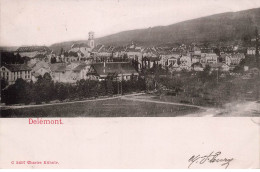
(91, 39)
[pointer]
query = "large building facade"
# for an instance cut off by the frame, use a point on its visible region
(11, 72)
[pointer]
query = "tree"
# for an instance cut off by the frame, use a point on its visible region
(10, 58)
(47, 77)
(20, 89)
(204, 75)
(3, 83)
(8, 95)
(61, 51)
(102, 88)
(53, 60)
(48, 87)
(44, 89)
(61, 91)
(80, 86)
(19, 92)
(109, 87)
(125, 56)
(217, 51)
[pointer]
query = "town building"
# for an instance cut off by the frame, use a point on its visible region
(116, 70)
(252, 50)
(11, 72)
(82, 49)
(172, 61)
(219, 67)
(210, 58)
(40, 68)
(59, 72)
(234, 59)
(186, 60)
(91, 41)
(197, 66)
(80, 72)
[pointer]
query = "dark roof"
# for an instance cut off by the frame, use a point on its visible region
(17, 67)
(58, 67)
(150, 50)
(196, 56)
(120, 68)
(197, 64)
(32, 49)
(108, 49)
(79, 67)
(40, 56)
(132, 50)
(118, 49)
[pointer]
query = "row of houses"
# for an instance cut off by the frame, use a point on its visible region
(74, 71)
(84, 60)
(164, 55)
(101, 64)
(69, 72)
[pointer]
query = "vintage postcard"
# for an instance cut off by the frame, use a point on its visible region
(130, 84)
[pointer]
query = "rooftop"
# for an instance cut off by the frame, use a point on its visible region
(17, 67)
(119, 68)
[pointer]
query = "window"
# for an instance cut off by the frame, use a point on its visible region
(3, 69)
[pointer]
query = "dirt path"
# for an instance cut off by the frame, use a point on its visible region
(161, 102)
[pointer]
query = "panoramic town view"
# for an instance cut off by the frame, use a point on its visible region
(208, 66)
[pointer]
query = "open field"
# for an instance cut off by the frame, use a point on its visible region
(130, 106)
(116, 107)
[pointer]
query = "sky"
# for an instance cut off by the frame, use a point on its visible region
(44, 22)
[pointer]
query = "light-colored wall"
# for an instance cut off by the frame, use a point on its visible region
(13, 76)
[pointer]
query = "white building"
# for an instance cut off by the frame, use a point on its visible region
(11, 72)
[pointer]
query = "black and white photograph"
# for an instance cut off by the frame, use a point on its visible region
(65, 63)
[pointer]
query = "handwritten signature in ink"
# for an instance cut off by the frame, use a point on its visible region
(211, 158)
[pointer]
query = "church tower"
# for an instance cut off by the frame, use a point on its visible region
(91, 39)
